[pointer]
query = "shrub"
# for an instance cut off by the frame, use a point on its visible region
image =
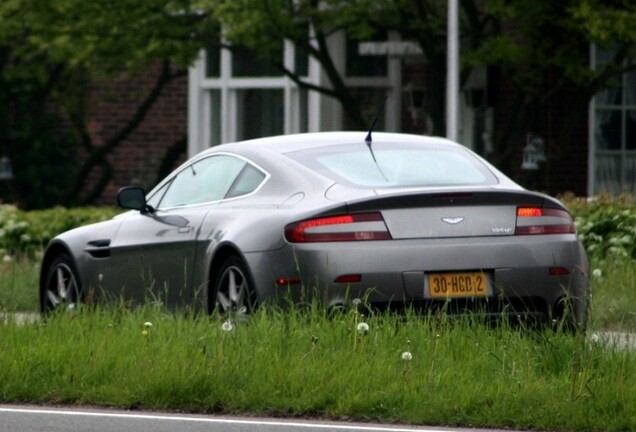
(27, 232)
(606, 226)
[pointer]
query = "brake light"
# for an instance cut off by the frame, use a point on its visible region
(350, 227)
(529, 211)
(541, 220)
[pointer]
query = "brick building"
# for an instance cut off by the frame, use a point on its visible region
(161, 133)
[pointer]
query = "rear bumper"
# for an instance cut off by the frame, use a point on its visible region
(392, 273)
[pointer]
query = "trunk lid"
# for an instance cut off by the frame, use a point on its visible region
(455, 214)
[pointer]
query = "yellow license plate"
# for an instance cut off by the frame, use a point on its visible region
(471, 284)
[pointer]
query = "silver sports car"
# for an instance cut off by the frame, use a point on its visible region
(398, 220)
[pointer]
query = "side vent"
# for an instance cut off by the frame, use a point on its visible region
(99, 248)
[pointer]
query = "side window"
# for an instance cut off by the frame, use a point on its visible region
(247, 181)
(211, 179)
(203, 181)
(153, 200)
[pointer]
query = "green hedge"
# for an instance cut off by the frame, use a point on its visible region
(27, 232)
(607, 227)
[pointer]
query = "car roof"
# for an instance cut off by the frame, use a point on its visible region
(303, 141)
(265, 152)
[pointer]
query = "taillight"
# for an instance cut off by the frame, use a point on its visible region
(541, 220)
(349, 227)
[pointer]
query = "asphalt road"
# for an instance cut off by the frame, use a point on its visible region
(21, 418)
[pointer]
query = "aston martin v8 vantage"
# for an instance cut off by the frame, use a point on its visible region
(402, 221)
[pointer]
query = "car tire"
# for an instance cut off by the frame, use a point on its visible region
(233, 290)
(62, 287)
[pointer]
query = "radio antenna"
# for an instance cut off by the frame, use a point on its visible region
(368, 139)
(375, 120)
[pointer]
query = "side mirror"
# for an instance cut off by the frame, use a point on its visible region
(133, 198)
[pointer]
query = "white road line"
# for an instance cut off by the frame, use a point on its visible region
(165, 417)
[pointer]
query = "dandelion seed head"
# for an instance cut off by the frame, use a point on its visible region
(356, 302)
(597, 273)
(7, 258)
(363, 327)
(147, 324)
(227, 326)
(407, 356)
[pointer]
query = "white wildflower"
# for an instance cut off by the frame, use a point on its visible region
(597, 272)
(227, 326)
(363, 328)
(407, 356)
(147, 324)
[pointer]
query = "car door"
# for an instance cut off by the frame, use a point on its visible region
(153, 254)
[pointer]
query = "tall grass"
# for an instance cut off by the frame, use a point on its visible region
(304, 363)
(18, 284)
(613, 288)
(612, 282)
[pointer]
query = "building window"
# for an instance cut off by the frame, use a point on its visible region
(260, 113)
(371, 78)
(364, 65)
(213, 62)
(372, 99)
(246, 63)
(235, 95)
(614, 135)
(215, 118)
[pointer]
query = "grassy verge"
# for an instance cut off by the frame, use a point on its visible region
(302, 363)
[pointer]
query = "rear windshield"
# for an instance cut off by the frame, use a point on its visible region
(396, 165)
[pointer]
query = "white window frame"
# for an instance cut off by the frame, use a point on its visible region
(200, 99)
(592, 147)
(324, 113)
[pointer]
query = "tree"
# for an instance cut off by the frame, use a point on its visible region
(542, 48)
(50, 53)
(28, 135)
